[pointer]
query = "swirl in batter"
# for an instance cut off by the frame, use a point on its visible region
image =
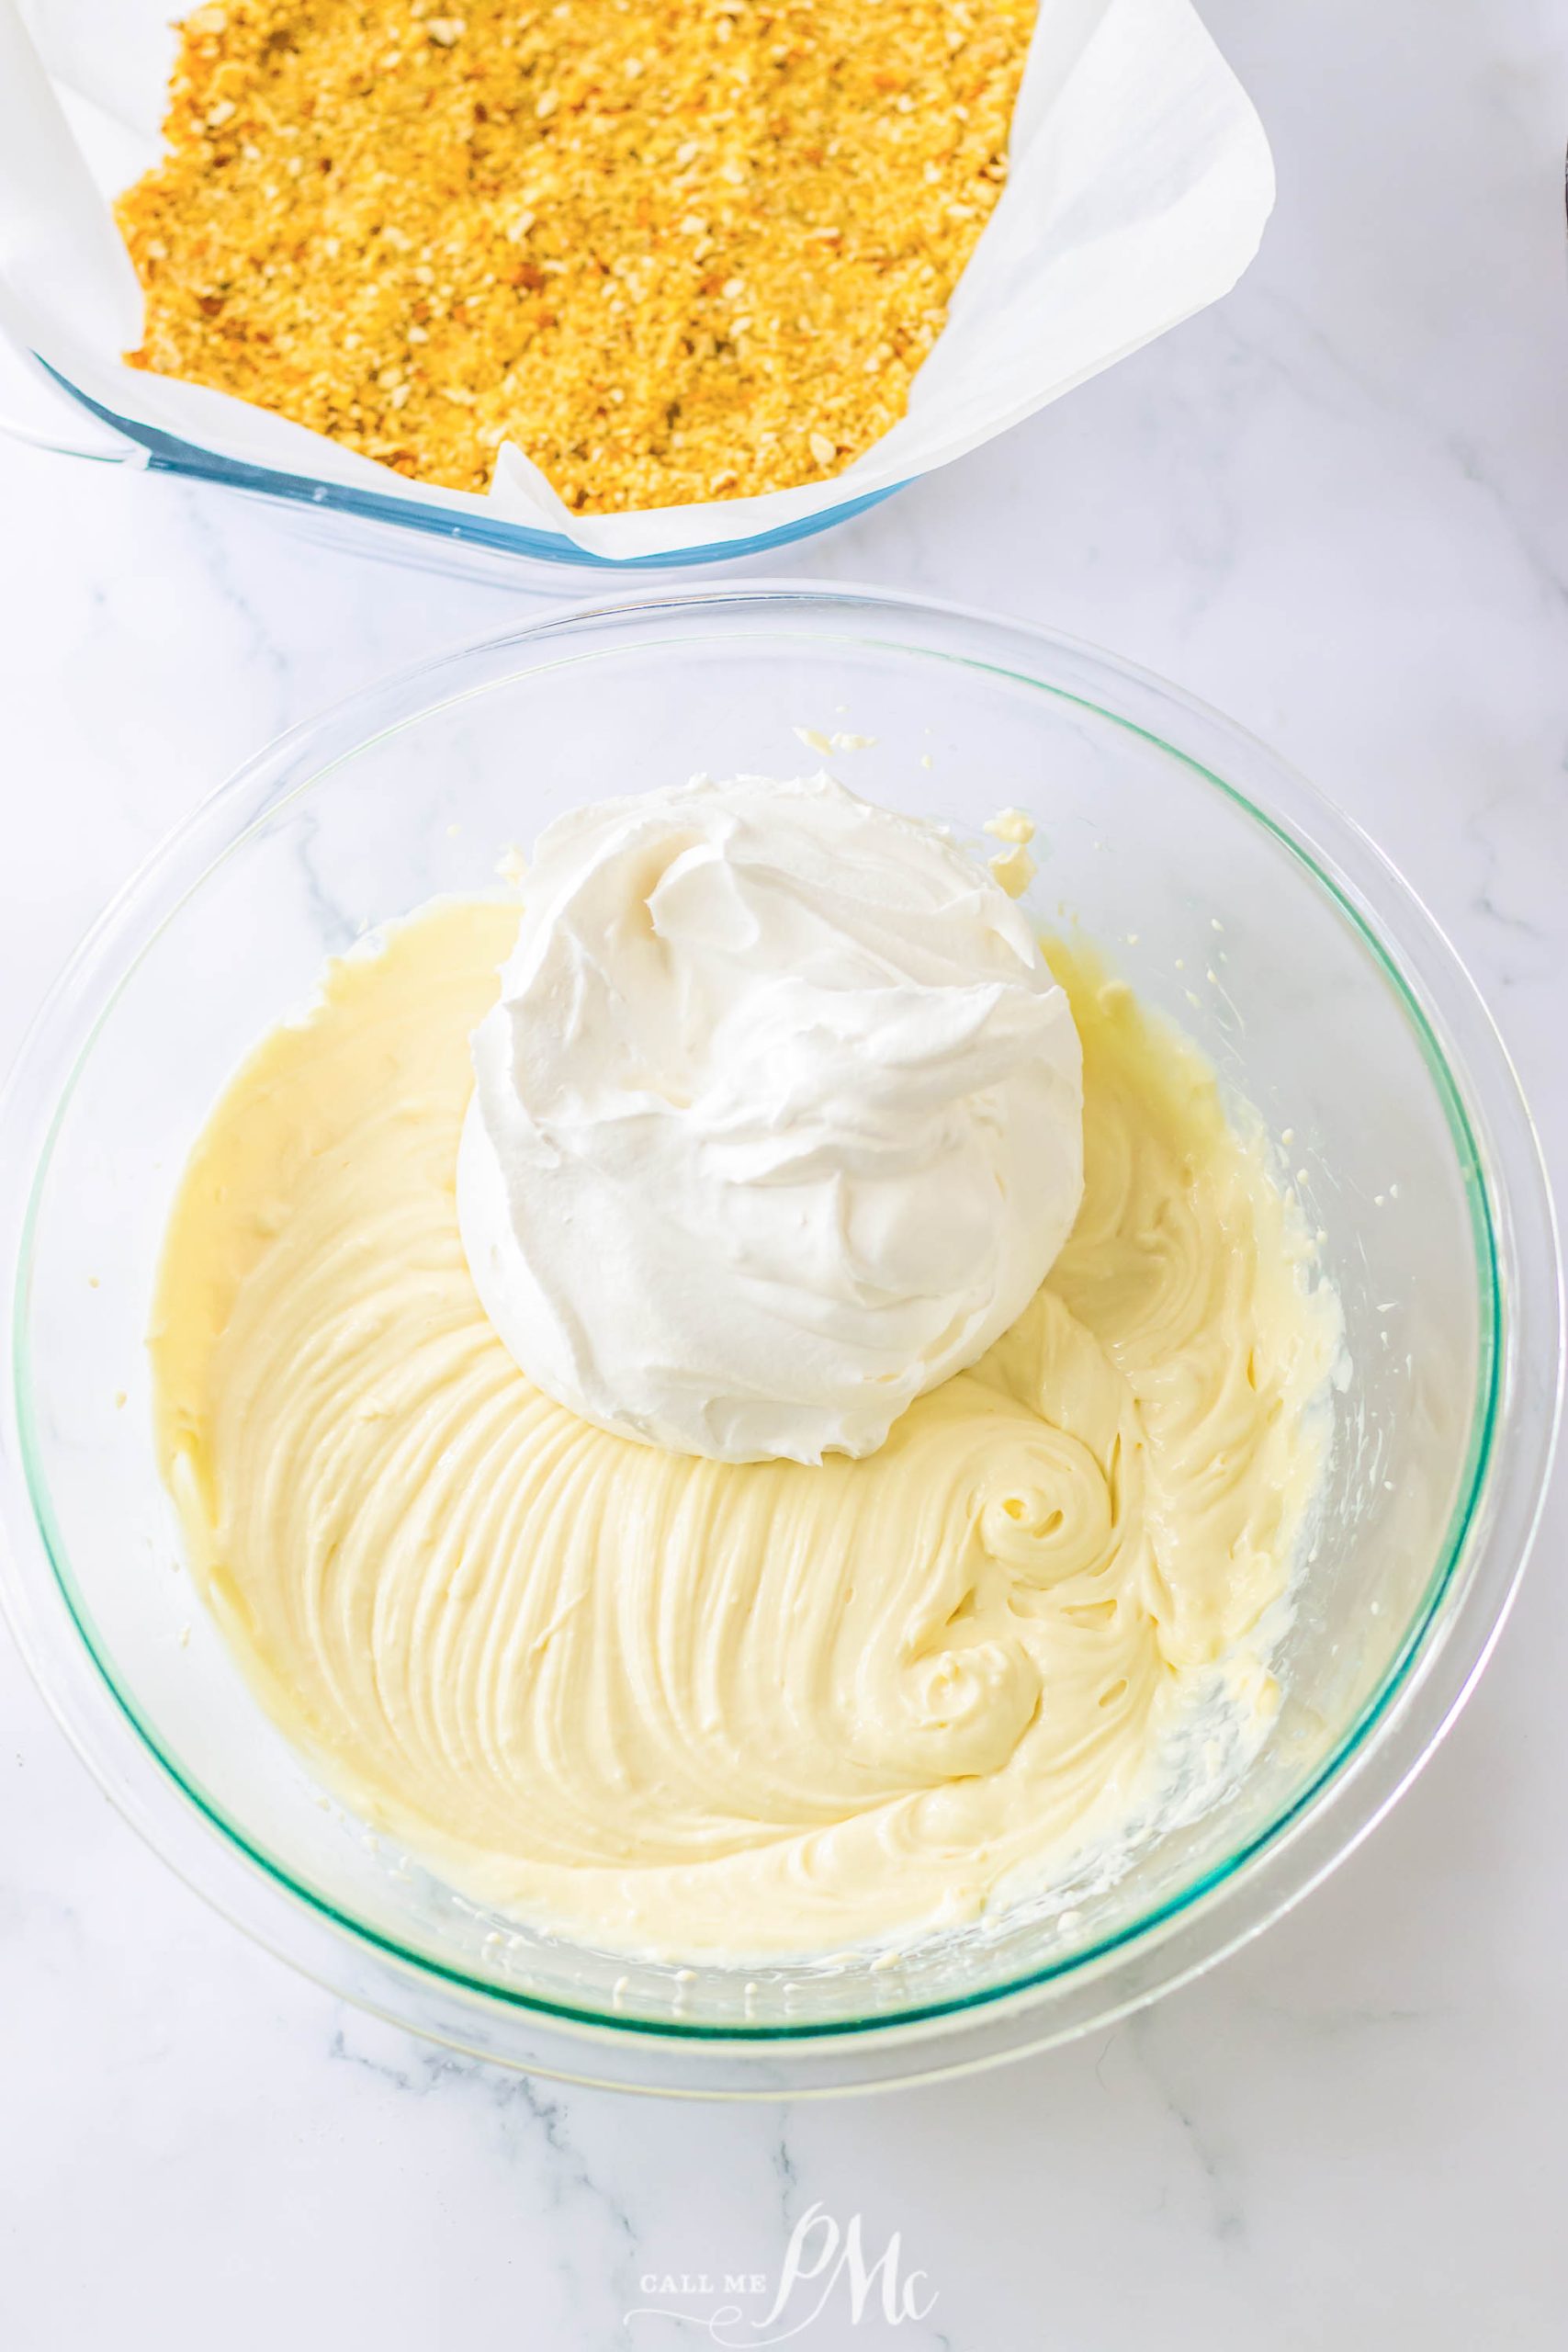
(697, 1707)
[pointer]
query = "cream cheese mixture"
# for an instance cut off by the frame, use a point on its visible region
(700, 1707)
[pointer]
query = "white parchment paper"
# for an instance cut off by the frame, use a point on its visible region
(1140, 183)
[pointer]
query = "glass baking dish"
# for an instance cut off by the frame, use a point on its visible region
(431, 537)
(1139, 180)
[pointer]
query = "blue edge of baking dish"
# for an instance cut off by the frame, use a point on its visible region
(166, 453)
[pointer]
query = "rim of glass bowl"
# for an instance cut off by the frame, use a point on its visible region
(1517, 1275)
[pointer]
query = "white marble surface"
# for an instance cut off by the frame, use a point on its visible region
(1338, 507)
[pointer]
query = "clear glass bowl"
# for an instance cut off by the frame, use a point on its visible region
(1229, 894)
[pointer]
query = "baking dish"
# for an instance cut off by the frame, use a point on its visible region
(1138, 187)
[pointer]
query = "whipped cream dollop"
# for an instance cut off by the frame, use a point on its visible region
(777, 1123)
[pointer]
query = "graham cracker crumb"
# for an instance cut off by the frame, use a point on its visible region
(674, 250)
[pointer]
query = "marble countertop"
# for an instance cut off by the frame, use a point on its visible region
(1337, 506)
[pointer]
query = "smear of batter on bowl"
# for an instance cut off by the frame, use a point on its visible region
(711, 1708)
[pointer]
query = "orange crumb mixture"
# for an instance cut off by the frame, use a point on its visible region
(673, 249)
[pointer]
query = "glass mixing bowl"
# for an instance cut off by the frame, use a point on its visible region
(1228, 893)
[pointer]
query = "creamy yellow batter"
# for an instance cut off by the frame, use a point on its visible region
(706, 1708)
